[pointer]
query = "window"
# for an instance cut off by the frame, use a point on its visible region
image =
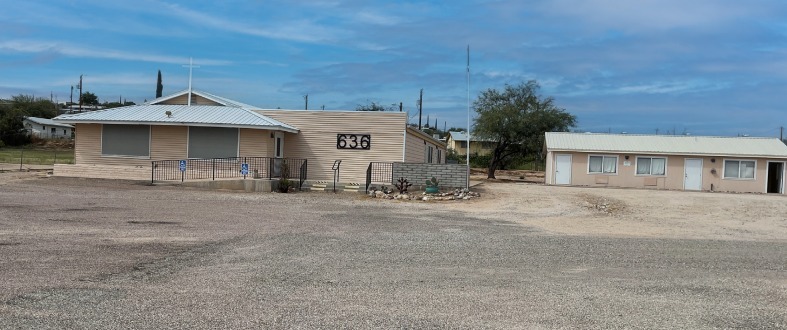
(463, 144)
(439, 156)
(53, 131)
(651, 166)
(603, 164)
(213, 142)
(429, 151)
(739, 169)
(125, 140)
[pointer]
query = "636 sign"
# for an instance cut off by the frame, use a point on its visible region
(353, 141)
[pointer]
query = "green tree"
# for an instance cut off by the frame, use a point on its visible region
(34, 107)
(89, 98)
(13, 113)
(159, 85)
(516, 119)
(373, 106)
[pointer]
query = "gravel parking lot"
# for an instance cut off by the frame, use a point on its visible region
(96, 254)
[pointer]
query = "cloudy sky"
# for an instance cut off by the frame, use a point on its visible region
(706, 67)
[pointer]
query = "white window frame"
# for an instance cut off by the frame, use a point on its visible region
(739, 160)
(617, 160)
(636, 166)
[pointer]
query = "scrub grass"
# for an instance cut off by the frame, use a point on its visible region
(36, 156)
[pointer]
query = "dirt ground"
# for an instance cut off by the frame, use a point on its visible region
(97, 254)
(634, 212)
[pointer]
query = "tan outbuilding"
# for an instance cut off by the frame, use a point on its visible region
(193, 125)
(677, 162)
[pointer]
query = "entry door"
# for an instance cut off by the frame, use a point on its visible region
(278, 146)
(692, 174)
(562, 169)
(775, 180)
(278, 154)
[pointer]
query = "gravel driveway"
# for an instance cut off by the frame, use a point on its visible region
(103, 255)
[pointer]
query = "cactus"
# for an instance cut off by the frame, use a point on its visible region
(402, 184)
(432, 182)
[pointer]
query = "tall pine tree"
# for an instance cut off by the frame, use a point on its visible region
(159, 86)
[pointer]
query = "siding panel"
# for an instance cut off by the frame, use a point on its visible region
(316, 140)
(169, 142)
(255, 143)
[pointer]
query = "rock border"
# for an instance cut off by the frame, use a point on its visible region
(455, 195)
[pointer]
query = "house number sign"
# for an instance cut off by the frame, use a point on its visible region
(354, 141)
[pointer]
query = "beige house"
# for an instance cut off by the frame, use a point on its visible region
(457, 141)
(732, 164)
(123, 142)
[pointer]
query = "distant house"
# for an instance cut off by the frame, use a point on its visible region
(678, 162)
(47, 128)
(457, 141)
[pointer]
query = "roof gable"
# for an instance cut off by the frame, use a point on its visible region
(666, 144)
(201, 98)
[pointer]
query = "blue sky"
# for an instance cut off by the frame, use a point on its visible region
(707, 67)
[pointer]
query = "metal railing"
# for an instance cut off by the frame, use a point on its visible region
(226, 168)
(378, 172)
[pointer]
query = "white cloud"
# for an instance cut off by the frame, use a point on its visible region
(65, 49)
(295, 30)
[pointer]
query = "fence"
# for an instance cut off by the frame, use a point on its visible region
(31, 156)
(379, 173)
(230, 167)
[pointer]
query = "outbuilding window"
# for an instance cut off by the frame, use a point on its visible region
(651, 166)
(603, 164)
(125, 140)
(739, 169)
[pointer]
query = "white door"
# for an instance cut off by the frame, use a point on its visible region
(692, 174)
(562, 169)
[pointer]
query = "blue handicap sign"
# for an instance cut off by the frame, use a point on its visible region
(183, 166)
(244, 168)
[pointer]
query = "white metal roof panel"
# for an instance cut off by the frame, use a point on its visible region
(202, 115)
(667, 144)
(47, 122)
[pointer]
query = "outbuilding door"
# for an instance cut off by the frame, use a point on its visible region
(692, 174)
(775, 180)
(562, 169)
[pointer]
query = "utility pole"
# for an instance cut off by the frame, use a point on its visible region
(781, 133)
(420, 107)
(80, 93)
(400, 106)
(72, 98)
(306, 97)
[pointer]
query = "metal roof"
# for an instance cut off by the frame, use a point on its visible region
(462, 136)
(195, 115)
(667, 144)
(47, 122)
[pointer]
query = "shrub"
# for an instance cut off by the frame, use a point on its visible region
(285, 184)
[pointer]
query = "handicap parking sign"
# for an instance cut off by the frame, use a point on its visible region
(244, 168)
(183, 166)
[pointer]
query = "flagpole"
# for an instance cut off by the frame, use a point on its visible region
(467, 150)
